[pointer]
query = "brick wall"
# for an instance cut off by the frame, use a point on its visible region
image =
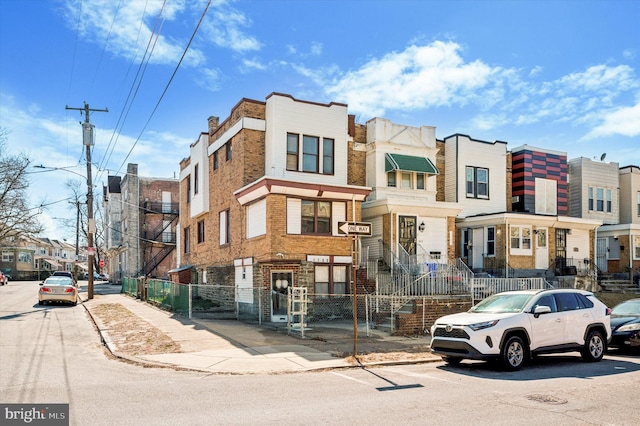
(440, 177)
(426, 311)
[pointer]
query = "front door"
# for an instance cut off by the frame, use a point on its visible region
(407, 234)
(280, 283)
(561, 251)
(601, 254)
(542, 248)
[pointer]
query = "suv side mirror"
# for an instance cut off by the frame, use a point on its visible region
(541, 310)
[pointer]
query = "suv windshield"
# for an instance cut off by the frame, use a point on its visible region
(502, 303)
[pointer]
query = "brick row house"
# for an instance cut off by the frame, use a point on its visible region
(263, 191)
(261, 196)
(27, 258)
(141, 217)
(528, 231)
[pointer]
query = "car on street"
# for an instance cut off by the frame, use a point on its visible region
(625, 325)
(58, 289)
(67, 274)
(512, 327)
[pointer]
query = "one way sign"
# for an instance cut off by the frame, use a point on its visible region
(354, 228)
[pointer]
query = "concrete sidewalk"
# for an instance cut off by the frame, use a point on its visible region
(234, 347)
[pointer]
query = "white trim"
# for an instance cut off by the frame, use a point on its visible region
(243, 123)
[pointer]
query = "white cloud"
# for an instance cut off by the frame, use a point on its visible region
(126, 28)
(225, 29)
(316, 48)
(599, 78)
(623, 121)
(418, 77)
(629, 54)
(210, 79)
(535, 71)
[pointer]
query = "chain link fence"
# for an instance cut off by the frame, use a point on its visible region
(305, 310)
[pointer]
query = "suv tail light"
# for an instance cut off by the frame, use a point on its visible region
(607, 311)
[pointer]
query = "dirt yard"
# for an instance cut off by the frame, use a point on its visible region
(131, 334)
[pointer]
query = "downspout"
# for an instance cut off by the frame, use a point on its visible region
(630, 254)
(595, 253)
(506, 248)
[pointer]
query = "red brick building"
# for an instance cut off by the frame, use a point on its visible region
(262, 194)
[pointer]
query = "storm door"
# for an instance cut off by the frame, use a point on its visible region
(407, 234)
(280, 283)
(542, 248)
(561, 251)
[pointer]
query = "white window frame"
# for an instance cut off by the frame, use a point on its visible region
(546, 196)
(225, 231)
(523, 234)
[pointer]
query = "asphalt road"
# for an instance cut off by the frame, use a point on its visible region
(52, 354)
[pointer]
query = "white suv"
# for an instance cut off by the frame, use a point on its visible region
(516, 325)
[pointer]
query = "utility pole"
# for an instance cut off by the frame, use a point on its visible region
(87, 139)
(75, 265)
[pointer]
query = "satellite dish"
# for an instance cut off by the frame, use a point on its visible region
(602, 157)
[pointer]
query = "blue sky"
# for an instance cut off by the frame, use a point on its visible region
(561, 75)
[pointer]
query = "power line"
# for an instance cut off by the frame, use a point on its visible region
(168, 83)
(124, 113)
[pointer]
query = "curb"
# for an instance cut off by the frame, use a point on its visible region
(113, 351)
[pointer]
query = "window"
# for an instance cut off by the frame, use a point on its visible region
(316, 217)
(327, 156)
(292, 151)
(225, 228)
(420, 181)
(547, 300)
(406, 180)
(520, 238)
(229, 151)
(477, 179)
(7, 256)
(187, 247)
(391, 180)
(200, 231)
(567, 302)
(316, 157)
(331, 280)
(188, 190)
(546, 196)
(603, 199)
(195, 179)
(638, 196)
(215, 160)
(25, 257)
(636, 246)
(491, 241)
(310, 152)
(600, 199)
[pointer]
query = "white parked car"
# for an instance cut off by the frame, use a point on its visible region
(513, 326)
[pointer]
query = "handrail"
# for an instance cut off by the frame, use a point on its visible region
(391, 259)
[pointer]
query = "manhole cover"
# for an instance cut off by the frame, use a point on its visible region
(547, 399)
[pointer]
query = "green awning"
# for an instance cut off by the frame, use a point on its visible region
(409, 163)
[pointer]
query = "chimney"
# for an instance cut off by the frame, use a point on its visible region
(213, 124)
(351, 125)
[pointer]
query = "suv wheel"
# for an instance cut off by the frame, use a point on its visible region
(513, 353)
(594, 347)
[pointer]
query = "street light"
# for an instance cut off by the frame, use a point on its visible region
(64, 169)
